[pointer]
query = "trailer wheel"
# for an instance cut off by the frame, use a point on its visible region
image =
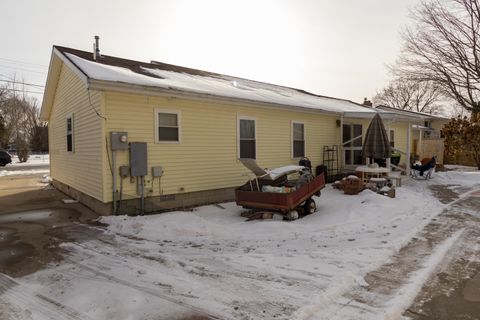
(292, 215)
(310, 206)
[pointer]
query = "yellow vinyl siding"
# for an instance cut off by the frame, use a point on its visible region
(206, 157)
(82, 168)
(400, 129)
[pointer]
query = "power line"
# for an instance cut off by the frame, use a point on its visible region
(20, 68)
(24, 83)
(26, 91)
(6, 77)
(36, 65)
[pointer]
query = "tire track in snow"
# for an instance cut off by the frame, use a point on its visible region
(34, 305)
(144, 289)
(249, 285)
(371, 300)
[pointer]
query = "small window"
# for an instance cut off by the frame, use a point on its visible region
(70, 133)
(168, 126)
(247, 138)
(298, 140)
(392, 138)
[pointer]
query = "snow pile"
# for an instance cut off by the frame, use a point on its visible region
(46, 179)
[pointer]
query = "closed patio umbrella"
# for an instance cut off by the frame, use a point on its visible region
(376, 144)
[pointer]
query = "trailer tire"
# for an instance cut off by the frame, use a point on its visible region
(292, 215)
(310, 206)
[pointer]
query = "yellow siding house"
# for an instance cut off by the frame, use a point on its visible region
(190, 126)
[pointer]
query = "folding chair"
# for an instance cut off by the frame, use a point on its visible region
(427, 174)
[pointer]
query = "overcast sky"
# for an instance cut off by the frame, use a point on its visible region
(333, 48)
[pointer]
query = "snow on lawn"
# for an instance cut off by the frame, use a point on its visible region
(37, 162)
(211, 261)
(22, 172)
(32, 159)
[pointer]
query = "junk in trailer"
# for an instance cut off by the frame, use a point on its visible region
(286, 190)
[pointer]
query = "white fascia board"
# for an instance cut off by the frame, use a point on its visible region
(53, 76)
(79, 72)
(47, 95)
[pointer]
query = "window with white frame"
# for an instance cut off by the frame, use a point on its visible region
(70, 146)
(247, 148)
(298, 140)
(167, 126)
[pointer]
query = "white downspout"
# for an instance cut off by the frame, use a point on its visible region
(407, 160)
(341, 155)
(420, 144)
(388, 161)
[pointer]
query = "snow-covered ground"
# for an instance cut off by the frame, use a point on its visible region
(36, 164)
(32, 159)
(212, 262)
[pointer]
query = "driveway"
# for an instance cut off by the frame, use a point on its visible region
(57, 261)
(34, 224)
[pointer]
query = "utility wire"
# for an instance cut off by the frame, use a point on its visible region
(36, 65)
(24, 69)
(18, 90)
(24, 83)
(6, 77)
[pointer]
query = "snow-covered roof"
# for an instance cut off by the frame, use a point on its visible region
(179, 79)
(422, 115)
(113, 73)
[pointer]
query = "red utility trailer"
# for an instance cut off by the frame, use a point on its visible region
(287, 203)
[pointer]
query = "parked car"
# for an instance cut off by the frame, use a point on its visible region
(5, 158)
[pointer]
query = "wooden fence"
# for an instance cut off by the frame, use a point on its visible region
(429, 148)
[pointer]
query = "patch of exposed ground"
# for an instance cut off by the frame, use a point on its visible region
(454, 291)
(382, 284)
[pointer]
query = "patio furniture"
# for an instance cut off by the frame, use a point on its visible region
(365, 173)
(424, 170)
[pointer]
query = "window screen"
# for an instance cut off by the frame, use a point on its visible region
(298, 140)
(168, 128)
(247, 139)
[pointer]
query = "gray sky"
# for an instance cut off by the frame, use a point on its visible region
(333, 48)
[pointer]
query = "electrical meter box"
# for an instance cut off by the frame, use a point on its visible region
(157, 171)
(124, 171)
(119, 140)
(138, 159)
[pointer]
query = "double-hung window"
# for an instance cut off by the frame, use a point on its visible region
(70, 133)
(298, 140)
(247, 148)
(167, 126)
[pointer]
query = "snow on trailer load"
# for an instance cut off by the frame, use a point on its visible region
(274, 191)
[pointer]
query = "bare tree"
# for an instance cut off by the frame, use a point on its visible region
(20, 117)
(444, 47)
(410, 95)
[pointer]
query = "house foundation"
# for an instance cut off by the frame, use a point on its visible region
(153, 204)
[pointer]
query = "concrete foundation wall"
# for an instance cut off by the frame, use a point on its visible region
(152, 204)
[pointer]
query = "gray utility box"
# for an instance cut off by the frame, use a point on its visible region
(157, 171)
(138, 159)
(118, 140)
(124, 171)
